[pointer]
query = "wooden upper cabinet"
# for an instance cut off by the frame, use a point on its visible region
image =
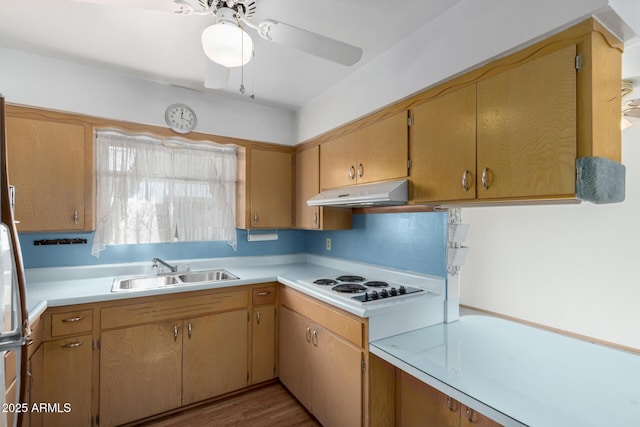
(307, 186)
(51, 166)
(443, 147)
(265, 189)
(527, 129)
(376, 152)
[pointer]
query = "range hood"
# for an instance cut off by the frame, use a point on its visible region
(388, 193)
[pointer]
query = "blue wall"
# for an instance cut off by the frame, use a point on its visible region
(408, 241)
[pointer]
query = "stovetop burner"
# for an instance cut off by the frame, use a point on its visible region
(327, 282)
(352, 288)
(350, 278)
(376, 284)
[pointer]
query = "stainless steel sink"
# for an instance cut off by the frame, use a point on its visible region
(143, 283)
(207, 276)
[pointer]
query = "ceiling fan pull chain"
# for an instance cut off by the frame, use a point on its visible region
(253, 54)
(242, 66)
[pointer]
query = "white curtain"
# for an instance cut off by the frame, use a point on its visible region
(153, 190)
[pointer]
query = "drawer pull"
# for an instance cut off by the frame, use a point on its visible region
(72, 319)
(72, 345)
(264, 293)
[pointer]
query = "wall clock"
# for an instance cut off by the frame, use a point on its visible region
(181, 118)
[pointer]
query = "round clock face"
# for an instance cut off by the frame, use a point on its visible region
(180, 118)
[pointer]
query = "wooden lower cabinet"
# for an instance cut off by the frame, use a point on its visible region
(140, 372)
(215, 355)
(263, 352)
(397, 398)
(322, 370)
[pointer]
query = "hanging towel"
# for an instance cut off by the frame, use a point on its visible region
(600, 180)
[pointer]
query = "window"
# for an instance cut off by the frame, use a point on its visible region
(153, 190)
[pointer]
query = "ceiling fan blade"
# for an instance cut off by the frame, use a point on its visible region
(162, 5)
(309, 42)
(216, 76)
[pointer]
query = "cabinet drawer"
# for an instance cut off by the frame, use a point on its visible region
(264, 295)
(337, 322)
(167, 309)
(72, 322)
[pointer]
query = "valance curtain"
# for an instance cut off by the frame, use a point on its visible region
(153, 190)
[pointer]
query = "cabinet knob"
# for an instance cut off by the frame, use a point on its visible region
(255, 217)
(315, 218)
(75, 216)
(175, 333)
(360, 170)
(307, 334)
(257, 317)
(352, 172)
(466, 180)
(189, 329)
(470, 413)
(487, 178)
(314, 338)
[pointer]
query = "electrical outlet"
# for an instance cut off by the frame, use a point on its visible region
(328, 244)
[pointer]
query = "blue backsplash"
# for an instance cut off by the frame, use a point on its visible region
(409, 241)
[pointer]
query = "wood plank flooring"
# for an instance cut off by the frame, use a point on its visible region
(271, 405)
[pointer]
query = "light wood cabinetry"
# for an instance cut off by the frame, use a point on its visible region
(443, 147)
(528, 149)
(322, 367)
(376, 152)
(60, 370)
(215, 355)
(264, 189)
(263, 338)
(400, 399)
(512, 130)
(172, 362)
(140, 372)
(59, 197)
(307, 186)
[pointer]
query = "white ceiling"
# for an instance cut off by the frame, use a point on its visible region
(165, 47)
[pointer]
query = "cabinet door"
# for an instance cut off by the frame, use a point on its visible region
(420, 405)
(46, 162)
(307, 186)
(140, 372)
(263, 341)
(337, 380)
(35, 385)
(383, 149)
(338, 161)
(443, 147)
(271, 189)
(66, 378)
(527, 129)
(214, 355)
(294, 348)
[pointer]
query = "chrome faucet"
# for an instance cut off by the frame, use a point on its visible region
(173, 268)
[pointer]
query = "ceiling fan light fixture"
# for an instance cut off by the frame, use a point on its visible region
(227, 44)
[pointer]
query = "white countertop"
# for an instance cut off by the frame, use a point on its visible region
(521, 375)
(49, 287)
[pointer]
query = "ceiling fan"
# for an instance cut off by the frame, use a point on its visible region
(228, 45)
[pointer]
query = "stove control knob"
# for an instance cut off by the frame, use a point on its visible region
(393, 292)
(366, 296)
(374, 295)
(402, 290)
(384, 293)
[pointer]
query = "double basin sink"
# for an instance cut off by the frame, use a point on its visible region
(159, 281)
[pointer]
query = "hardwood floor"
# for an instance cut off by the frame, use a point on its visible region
(271, 405)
